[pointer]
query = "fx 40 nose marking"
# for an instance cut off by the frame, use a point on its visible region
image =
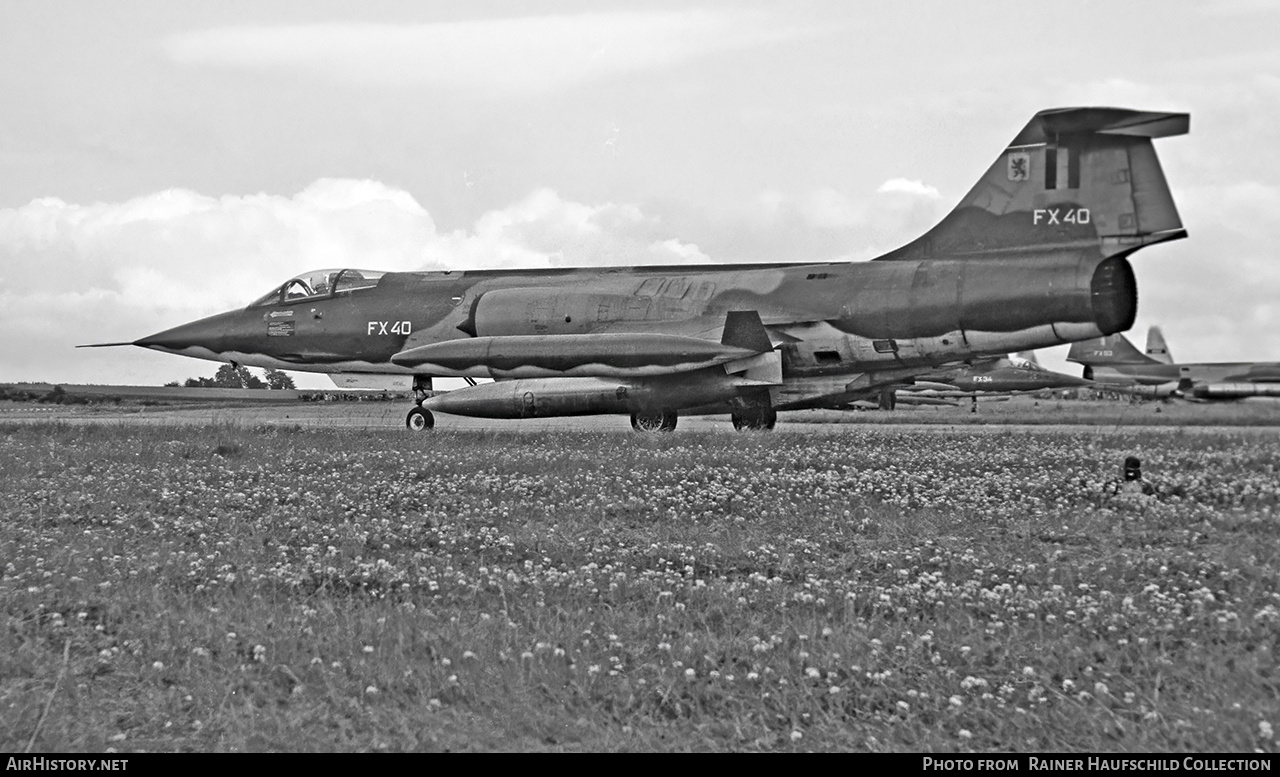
(389, 328)
(1059, 216)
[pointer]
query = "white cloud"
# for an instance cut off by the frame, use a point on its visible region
(828, 208)
(73, 274)
(826, 223)
(1235, 7)
(507, 56)
(218, 248)
(673, 251)
(905, 186)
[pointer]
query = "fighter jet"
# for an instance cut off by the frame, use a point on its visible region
(1035, 255)
(1008, 375)
(1115, 361)
(990, 378)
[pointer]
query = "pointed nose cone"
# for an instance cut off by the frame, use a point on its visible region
(207, 333)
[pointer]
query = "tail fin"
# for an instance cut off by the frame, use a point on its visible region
(1112, 349)
(1156, 347)
(1073, 178)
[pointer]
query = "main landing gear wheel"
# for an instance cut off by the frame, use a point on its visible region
(761, 419)
(419, 420)
(654, 422)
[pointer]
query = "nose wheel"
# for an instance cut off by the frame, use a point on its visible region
(419, 420)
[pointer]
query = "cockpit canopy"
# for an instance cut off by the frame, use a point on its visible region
(318, 284)
(1023, 363)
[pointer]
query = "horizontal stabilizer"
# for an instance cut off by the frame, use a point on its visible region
(1050, 125)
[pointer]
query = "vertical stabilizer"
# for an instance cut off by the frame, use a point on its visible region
(1073, 178)
(1112, 349)
(1156, 347)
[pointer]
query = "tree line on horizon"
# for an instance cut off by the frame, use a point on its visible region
(230, 376)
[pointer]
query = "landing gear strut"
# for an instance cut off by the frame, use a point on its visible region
(421, 388)
(755, 418)
(662, 421)
(888, 399)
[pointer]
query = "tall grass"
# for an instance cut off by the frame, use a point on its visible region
(232, 588)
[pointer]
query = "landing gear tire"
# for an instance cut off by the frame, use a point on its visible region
(664, 421)
(419, 420)
(760, 419)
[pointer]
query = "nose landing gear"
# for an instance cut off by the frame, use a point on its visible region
(420, 419)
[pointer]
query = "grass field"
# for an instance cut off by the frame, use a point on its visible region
(226, 587)
(1027, 410)
(389, 415)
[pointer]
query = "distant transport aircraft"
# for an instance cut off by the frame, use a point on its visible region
(1115, 361)
(1035, 255)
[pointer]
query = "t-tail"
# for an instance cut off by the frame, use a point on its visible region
(1073, 178)
(1106, 351)
(1156, 347)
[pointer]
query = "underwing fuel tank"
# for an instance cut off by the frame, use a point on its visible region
(1238, 390)
(549, 397)
(1159, 391)
(600, 355)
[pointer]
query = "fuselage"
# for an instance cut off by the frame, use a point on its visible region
(1206, 380)
(829, 321)
(999, 379)
(1152, 374)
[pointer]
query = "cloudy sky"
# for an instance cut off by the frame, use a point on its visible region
(162, 161)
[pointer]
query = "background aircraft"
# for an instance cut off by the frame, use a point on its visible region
(1114, 360)
(1156, 347)
(988, 378)
(1034, 255)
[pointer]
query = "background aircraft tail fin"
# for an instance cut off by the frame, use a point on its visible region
(1156, 347)
(1112, 349)
(1073, 178)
